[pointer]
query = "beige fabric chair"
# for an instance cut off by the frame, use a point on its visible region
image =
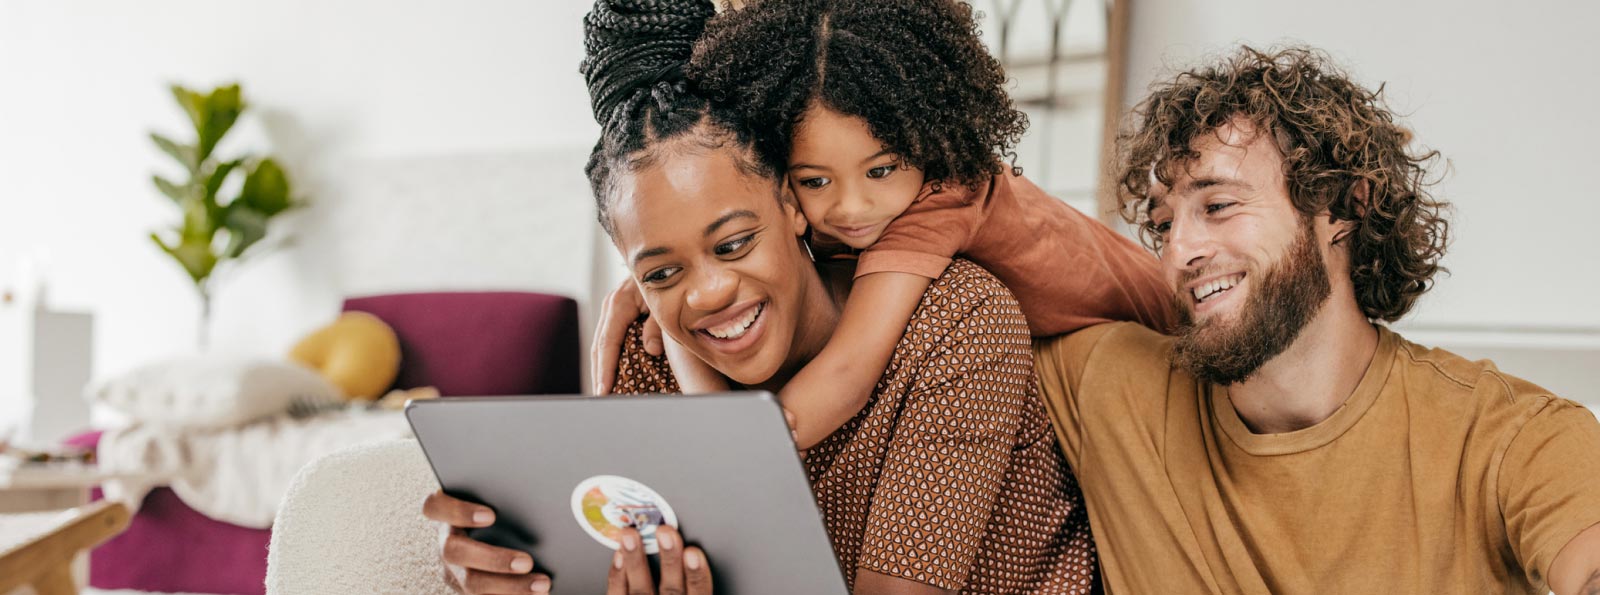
(352, 523)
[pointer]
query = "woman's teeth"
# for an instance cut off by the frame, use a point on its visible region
(737, 328)
(1210, 290)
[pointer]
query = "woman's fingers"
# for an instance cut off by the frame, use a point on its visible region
(635, 564)
(671, 560)
(455, 512)
(478, 582)
(697, 572)
(472, 554)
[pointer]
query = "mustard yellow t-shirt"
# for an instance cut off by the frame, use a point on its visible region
(1438, 475)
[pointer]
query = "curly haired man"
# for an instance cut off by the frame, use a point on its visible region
(1284, 441)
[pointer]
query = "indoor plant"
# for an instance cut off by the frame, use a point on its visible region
(214, 232)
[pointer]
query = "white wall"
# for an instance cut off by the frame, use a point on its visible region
(440, 144)
(1505, 90)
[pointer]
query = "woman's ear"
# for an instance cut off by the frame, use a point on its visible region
(791, 209)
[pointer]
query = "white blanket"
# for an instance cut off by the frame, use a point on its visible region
(236, 475)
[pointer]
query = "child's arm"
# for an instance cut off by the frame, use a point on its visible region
(838, 382)
(693, 375)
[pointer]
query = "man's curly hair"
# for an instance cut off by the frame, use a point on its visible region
(1335, 136)
(915, 70)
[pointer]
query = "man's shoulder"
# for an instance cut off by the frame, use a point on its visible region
(1452, 385)
(1443, 374)
(1123, 357)
(1118, 343)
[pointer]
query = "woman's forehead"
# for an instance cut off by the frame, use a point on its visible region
(688, 191)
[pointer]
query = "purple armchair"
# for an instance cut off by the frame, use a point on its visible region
(464, 344)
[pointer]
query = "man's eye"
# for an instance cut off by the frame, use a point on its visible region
(659, 275)
(1214, 207)
(814, 183)
(733, 245)
(881, 171)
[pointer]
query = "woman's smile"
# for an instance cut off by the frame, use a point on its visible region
(733, 330)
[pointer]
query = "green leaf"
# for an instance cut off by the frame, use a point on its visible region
(246, 226)
(266, 189)
(195, 258)
(185, 154)
(221, 108)
(219, 176)
(177, 193)
(193, 104)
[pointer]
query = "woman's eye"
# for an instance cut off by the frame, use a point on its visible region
(881, 171)
(1162, 228)
(814, 183)
(659, 275)
(733, 245)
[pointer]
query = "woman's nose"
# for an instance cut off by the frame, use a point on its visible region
(712, 289)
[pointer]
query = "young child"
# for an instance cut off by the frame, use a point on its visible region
(892, 120)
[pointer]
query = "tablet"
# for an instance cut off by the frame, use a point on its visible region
(565, 474)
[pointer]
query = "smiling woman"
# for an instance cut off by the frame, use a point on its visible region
(950, 479)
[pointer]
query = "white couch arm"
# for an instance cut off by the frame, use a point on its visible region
(352, 523)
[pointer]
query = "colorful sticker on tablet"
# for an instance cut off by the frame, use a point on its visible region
(606, 504)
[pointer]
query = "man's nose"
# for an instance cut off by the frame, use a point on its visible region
(712, 289)
(1189, 244)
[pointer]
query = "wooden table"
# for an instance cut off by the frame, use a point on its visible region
(37, 549)
(47, 523)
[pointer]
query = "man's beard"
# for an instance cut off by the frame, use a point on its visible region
(1282, 301)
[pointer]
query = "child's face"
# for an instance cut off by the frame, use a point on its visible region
(850, 187)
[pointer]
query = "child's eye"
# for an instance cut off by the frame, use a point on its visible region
(814, 183)
(658, 276)
(882, 171)
(734, 245)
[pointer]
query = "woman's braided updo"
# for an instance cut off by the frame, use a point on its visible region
(635, 54)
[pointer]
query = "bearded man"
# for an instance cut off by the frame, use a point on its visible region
(1285, 441)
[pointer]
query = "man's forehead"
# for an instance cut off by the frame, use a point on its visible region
(1221, 157)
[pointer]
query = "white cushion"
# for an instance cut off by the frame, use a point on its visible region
(213, 392)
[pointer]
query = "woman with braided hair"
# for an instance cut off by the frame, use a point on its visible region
(949, 479)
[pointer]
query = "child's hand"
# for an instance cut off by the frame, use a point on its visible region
(788, 417)
(694, 376)
(620, 309)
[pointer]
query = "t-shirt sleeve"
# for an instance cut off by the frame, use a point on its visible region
(1061, 362)
(923, 239)
(946, 464)
(1549, 483)
(638, 372)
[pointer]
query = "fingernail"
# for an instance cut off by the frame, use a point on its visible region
(521, 564)
(540, 584)
(616, 560)
(692, 560)
(630, 542)
(664, 540)
(483, 517)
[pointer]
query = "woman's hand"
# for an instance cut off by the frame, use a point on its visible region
(684, 570)
(620, 309)
(475, 567)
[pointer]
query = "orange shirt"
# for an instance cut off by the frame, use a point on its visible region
(1068, 270)
(1437, 475)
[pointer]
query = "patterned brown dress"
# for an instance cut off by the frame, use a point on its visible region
(951, 475)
